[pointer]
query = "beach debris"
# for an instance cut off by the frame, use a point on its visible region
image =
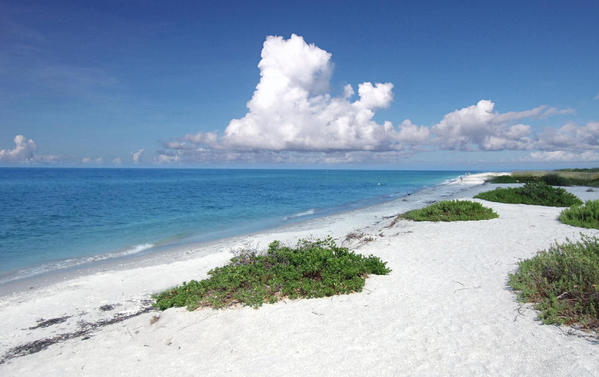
(360, 236)
(154, 319)
(86, 330)
(42, 323)
(353, 236)
(106, 308)
(395, 221)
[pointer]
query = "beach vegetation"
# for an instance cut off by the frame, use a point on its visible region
(537, 193)
(310, 269)
(584, 216)
(580, 170)
(563, 283)
(451, 210)
(562, 177)
(503, 179)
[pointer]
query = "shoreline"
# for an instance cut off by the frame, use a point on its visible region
(81, 242)
(444, 309)
(159, 254)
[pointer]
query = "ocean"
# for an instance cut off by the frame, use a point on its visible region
(54, 218)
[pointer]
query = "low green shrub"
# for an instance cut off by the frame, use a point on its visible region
(537, 193)
(451, 210)
(563, 282)
(311, 269)
(585, 216)
(503, 179)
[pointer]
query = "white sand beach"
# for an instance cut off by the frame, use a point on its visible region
(444, 310)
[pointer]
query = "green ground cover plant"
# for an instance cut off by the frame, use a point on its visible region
(311, 269)
(451, 210)
(563, 283)
(584, 216)
(537, 193)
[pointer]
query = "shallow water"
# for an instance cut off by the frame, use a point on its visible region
(52, 219)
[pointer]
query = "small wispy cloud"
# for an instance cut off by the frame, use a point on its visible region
(92, 160)
(137, 156)
(596, 97)
(564, 156)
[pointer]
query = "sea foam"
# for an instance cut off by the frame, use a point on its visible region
(309, 212)
(71, 262)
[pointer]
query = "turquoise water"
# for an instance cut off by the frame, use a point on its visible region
(55, 218)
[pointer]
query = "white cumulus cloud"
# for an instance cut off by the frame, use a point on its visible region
(481, 127)
(409, 133)
(24, 151)
(570, 137)
(291, 109)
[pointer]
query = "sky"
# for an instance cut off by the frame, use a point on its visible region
(392, 85)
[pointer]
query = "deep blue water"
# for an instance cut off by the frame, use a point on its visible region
(48, 216)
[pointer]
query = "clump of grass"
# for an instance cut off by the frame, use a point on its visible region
(563, 282)
(585, 216)
(451, 210)
(312, 269)
(503, 179)
(537, 193)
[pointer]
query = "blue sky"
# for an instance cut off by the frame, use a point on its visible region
(92, 84)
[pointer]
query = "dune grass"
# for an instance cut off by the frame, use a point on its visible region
(537, 193)
(584, 216)
(563, 283)
(451, 210)
(312, 269)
